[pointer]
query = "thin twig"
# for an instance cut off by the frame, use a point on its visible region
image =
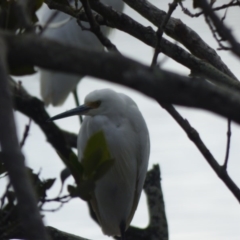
(228, 145)
(148, 36)
(232, 3)
(95, 28)
(4, 196)
(50, 19)
(209, 23)
(179, 31)
(77, 102)
(222, 30)
(53, 209)
(25, 134)
(195, 138)
(62, 199)
(172, 7)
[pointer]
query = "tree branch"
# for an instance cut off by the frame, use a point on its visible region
(60, 235)
(172, 7)
(32, 107)
(182, 33)
(161, 85)
(14, 160)
(222, 30)
(95, 28)
(148, 36)
(158, 84)
(195, 138)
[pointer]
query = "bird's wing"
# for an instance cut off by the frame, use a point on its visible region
(114, 192)
(142, 139)
(55, 86)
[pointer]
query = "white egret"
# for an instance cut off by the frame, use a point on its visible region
(117, 193)
(56, 86)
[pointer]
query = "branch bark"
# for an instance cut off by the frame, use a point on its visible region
(222, 30)
(14, 159)
(177, 30)
(147, 35)
(158, 84)
(32, 107)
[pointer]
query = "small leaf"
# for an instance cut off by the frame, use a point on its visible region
(76, 164)
(195, 3)
(38, 4)
(95, 153)
(73, 164)
(65, 173)
(72, 191)
(47, 184)
(22, 71)
(85, 189)
(103, 168)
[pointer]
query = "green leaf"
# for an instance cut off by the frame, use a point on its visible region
(22, 71)
(95, 154)
(75, 167)
(65, 173)
(47, 184)
(103, 168)
(85, 189)
(72, 190)
(195, 3)
(38, 4)
(74, 163)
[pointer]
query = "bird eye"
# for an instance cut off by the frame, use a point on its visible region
(95, 104)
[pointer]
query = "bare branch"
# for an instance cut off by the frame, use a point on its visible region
(14, 160)
(25, 134)
(95, 28)
(222, 30)
(228, 145)
(161, 85)
(32, 107)
(57, 234)
(156, 206)
(149, 37)
(195, 138)
(172, 7)
(180, 32)
(232, 3)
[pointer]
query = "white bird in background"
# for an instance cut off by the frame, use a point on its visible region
(117, 193)
(55, 86)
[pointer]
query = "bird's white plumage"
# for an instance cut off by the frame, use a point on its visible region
(117, 193)
(55, 86)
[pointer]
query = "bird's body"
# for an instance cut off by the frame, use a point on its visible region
(55, 86)
(117, 192)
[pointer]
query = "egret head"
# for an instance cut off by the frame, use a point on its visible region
(98, 102)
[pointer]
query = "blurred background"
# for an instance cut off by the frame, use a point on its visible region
(198, 205)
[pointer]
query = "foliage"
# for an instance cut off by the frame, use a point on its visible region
(95, 163)
(10, 220)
